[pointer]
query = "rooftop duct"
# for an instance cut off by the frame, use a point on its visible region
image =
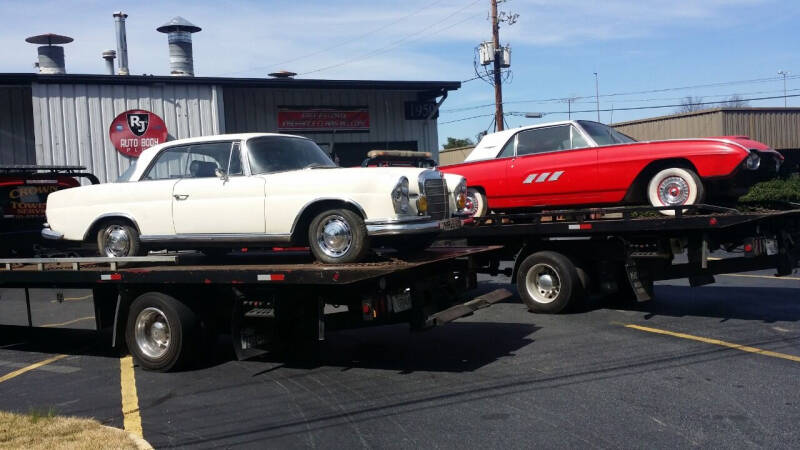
(179, 35)
(122, 42)
(51, 55)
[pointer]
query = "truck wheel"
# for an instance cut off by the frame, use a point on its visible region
(675, 186)
(476, 203)
(160, 332)
(338, 236)
(548, 282)
(117, 238)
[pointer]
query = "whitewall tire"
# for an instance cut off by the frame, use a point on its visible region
(675, 186)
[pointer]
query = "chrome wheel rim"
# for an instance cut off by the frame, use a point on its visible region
(673, 191)
(334, 236)
(542, 283)
(116, 241)
(471, 204)
(152, 333)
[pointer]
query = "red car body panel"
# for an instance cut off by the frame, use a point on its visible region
(597, 175)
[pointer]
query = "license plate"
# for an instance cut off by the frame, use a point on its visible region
(450, 224)
(771, 246)
(400, 302)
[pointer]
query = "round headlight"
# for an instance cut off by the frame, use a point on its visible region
(753, 162)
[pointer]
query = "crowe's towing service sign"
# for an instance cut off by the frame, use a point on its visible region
(136, 130)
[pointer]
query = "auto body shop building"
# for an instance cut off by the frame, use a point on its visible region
(67, 119)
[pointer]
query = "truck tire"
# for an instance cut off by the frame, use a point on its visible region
(338, 236)
(161, 332)
(549, 282)
(476, 202)
(675, 186)
(117, 238)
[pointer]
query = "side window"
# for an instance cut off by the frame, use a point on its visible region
(577, 140)
(543, 140)
(171, 163)
(235, 167)
(205, 158)
(508, 149)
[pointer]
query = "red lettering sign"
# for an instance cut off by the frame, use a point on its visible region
(323, 119)
(136, 130)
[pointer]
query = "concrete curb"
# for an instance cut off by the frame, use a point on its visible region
(140, 443)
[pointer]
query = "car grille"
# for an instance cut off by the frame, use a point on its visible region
(436, 193)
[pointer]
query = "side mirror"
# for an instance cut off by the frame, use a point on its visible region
(221, 174)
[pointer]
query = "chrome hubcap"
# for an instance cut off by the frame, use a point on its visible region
(471, 205)
(673, 191)
(152, 333)
(543, 283)
(116, 241)
(334, 236)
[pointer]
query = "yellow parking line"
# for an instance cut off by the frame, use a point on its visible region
(769, 277)
(73, 299)
(743, 348)
(131, 420)
(19, 372)
(69, 322)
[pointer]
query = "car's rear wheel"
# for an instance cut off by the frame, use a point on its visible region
(338, 236)
(117, 239)
(675, 186)
(476, 203)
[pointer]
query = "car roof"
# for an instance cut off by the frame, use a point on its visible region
(492, 143)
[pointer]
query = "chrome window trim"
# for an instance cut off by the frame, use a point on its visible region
(112, 215)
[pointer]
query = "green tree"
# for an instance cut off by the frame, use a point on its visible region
(456, 142)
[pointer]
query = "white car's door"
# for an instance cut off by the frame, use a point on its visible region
(203, 203)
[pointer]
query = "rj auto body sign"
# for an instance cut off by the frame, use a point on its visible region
(324, 119)
(136, 130)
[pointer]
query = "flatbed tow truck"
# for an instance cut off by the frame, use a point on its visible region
(166, 307)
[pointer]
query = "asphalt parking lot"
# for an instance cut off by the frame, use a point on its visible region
(715, 366)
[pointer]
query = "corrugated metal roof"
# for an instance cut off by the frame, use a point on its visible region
(284, 83)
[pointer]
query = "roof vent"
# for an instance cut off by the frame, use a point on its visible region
(109, 56)
(283, 74)
(179, 34)
(51, 55)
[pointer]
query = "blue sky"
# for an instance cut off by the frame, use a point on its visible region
(556, 45)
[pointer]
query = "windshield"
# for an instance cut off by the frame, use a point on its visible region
(126, 176)
(279, 154)
(603, 134)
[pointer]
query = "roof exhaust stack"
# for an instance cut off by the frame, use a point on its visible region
(109, 56)
(122, 42)
(179, 35)
(51, 56)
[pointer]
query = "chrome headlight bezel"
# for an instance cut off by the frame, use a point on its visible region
(753, 161)
(400, 196)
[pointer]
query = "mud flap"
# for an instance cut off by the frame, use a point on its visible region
(642, 288)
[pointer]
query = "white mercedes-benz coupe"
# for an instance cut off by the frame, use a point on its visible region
(222, 192)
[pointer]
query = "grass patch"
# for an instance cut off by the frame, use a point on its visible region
(44, 429)
(777, 190)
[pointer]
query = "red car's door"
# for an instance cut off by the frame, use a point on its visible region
(553, 166)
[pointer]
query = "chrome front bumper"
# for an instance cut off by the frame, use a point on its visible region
(400, 227)
(47, 233)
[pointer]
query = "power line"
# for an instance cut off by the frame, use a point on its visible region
(410, 37)
(619, 94)
(631, 108)
(339, 44)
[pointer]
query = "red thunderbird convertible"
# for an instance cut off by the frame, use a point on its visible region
(584, 163)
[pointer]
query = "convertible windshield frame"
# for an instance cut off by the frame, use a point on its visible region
(602, 134)
(286, 153)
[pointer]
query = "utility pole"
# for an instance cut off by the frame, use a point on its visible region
(784, 73)
(498, 54)
(597, 95)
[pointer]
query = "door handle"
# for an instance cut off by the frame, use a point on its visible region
(181, 196)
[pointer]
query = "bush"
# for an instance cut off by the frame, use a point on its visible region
(781, 189)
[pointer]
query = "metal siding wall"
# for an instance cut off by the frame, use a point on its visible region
(255, 110)
(778, 129)
(702, 125)
(16, 126)
(71, 121)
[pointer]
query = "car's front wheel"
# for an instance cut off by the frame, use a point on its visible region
(117, 239)
(338, 236)
(675, 186)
